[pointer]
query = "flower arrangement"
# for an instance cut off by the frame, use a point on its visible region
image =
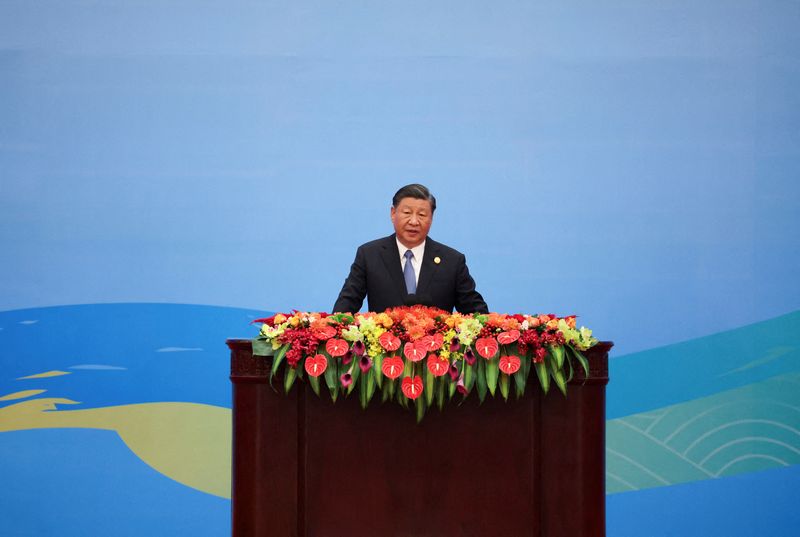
(418, 354)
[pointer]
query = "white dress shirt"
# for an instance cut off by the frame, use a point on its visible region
(416, 261)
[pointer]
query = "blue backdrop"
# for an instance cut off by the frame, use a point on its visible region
(170, 170)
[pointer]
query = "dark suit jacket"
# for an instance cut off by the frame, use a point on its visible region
(377, 274)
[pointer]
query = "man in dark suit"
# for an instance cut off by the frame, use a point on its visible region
(408, 267)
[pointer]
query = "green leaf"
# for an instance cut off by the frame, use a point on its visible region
(262, 347)
(561, 382)
(521, 376)
(370, 386)
(408, 369)
(581, 360)
(276, 362)
(557, 352)
(355, 373)
(428, 391)
(451, 389)
(331, 377)
(392, 385)
(544, 376)
(504, 382)
(314, 382)
(376, 370)
(469, 377)
(440, 392)
(481, 379)
(492, 372)
(362, 391)
(387, 392)
(288, 380)
(420, 404)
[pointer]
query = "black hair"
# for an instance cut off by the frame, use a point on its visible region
(415, 191)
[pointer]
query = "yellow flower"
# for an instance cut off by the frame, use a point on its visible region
(279, 318)
(384, 320)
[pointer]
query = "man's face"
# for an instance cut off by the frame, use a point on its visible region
(412, 220)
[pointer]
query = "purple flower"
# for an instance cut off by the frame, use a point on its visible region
(454, 346)
(347, 357)
(469, 356)
(359, 348)
(460, 386)
(453, 371)
(365, 364)
(346, 379)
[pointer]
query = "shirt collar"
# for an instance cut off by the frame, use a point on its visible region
(418, 250)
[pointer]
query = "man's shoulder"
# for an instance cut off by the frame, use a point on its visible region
(441, 249)
(378, 243)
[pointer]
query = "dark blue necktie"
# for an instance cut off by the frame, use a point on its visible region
(408, 273)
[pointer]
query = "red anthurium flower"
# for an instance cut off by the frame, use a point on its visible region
(324, 332)
(365, 363)
(316, 365)
(413, 352)
(506, 338)
(486, 347)
(412, 387)
(392, 367)
(431, 343)
(437, 366)
(389, 341)
(509, 364)
(336, 347)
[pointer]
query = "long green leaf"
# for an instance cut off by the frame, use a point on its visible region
(370, 386)
(356, 374)
(451, 389)
(276, 362)
(492, 372)
(289, 378)
(362, 391)
(469, 377)
(480, 379)
(376, 370)
(521, 376)
(503, 383)
(544, 376)
(314, 382)
(428, 391)
(557, 351)
(420, 404)
(262, 347)
(581, 360)
(440, 392)
(561, 382)
(331, 377)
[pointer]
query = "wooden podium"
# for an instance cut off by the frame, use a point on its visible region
(304, 466)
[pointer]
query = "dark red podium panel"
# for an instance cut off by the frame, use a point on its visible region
(304, 466)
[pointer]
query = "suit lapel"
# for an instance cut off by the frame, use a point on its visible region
(428, 268)
(391, 258)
